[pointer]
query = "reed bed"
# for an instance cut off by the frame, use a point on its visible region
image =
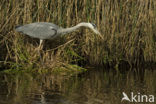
(128, 28)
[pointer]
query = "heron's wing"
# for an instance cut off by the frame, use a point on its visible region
(41, 30)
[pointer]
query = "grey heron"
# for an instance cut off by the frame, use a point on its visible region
(45, 30)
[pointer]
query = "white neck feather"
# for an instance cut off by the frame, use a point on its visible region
(71, 29)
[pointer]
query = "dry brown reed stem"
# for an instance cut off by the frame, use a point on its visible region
(128, 28)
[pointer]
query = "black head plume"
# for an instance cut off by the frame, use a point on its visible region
(93, 25)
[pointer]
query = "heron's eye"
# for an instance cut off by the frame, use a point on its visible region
(93, 25)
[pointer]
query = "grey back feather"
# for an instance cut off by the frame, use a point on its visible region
(40, 30)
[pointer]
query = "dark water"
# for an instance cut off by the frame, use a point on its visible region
(96, 86)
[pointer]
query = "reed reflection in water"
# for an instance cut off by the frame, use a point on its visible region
(96, 86)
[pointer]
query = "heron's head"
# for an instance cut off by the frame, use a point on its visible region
(94, 28)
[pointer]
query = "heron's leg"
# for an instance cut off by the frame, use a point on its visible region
(39, 49)
(41, 44)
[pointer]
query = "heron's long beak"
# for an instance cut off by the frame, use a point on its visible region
(97, 32)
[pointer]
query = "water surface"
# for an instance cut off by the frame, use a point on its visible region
(97, 86)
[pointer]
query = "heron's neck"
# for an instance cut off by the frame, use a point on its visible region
(71, 29)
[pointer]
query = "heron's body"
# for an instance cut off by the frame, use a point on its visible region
(40, 30)
(45, 30)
